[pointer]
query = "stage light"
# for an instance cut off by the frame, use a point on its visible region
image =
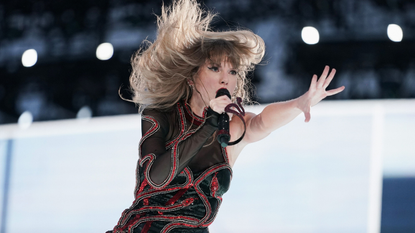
(105, 51)
(310, 35)
(29, 58)
(25, 120)
(395, 33)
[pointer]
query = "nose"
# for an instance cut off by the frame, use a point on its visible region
(224, 80)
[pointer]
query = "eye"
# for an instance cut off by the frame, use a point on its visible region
(233, 72)
(214, 68)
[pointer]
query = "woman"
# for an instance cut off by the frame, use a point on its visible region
(183, 171)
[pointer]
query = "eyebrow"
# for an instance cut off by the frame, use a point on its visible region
(219, 66)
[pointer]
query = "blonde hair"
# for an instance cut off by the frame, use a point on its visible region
(160, 72)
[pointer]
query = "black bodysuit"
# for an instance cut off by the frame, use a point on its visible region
(182, 174)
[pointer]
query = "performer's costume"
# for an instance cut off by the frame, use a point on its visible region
(182, 173)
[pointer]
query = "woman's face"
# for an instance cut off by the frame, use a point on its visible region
(211, 77)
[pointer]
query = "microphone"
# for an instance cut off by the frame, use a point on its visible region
(223, 136)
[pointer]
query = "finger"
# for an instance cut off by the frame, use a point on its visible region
(223, 101)
(328, 80)
(307, 116)
(230, 116)
(223, 97)
(306, 111)
(313, 82)
(323, 76)
(335, 91)
(217, 105)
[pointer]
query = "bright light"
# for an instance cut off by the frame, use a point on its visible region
(84, 113)
(29, 58)
(395, 33)
(105, 51)
(310, 35)
(25, 120)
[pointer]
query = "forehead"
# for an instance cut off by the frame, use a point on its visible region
(217, 56)
(221, 62)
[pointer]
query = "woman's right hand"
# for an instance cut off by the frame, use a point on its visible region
(219, 104)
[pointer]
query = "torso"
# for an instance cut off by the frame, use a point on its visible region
(192, 199)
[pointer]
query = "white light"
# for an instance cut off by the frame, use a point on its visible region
(29, 58)
(84, 113)
(395, 33)
(25, 120)
(310, 35)
(105, 51)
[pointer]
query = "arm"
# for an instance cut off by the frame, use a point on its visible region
(278, 114)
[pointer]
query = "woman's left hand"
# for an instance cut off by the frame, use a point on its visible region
(317, 92)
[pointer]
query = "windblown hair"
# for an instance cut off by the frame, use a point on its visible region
(184, 43)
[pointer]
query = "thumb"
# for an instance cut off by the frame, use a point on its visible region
(307, 115)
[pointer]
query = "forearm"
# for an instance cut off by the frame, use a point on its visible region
(278, 114)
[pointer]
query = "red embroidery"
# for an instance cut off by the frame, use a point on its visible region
(190, 221)
(191, 117)
(200, 192)
(142, 186)
(188, 201)
(127, 226)
(131, 218)
(225, 152)
(181, 129)
(174, 225)
(145, 201)
(176, 197)
(146, 227)
(174, 160)
(214, 186)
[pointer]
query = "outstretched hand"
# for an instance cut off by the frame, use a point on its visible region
(317, 92)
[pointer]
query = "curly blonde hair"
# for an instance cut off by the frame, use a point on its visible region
(161, 71)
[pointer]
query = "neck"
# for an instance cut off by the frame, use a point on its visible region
(197, 105)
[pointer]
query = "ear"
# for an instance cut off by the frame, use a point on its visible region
(190, 82)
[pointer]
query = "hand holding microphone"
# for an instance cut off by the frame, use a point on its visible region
(222, 120)
(223, 135)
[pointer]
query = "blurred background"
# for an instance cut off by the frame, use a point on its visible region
(63, 62)
(370, 43)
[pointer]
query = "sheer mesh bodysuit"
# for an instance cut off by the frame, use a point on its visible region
(181, 175)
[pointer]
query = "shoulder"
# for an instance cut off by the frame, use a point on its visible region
(160, 117)
(158, 113)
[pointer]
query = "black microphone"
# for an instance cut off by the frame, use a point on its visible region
(223, 136)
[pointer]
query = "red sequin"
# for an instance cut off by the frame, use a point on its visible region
(176, 197)
(188, 201)
(145, 201)
(142, 186)
(214, 185)
(146, 227)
